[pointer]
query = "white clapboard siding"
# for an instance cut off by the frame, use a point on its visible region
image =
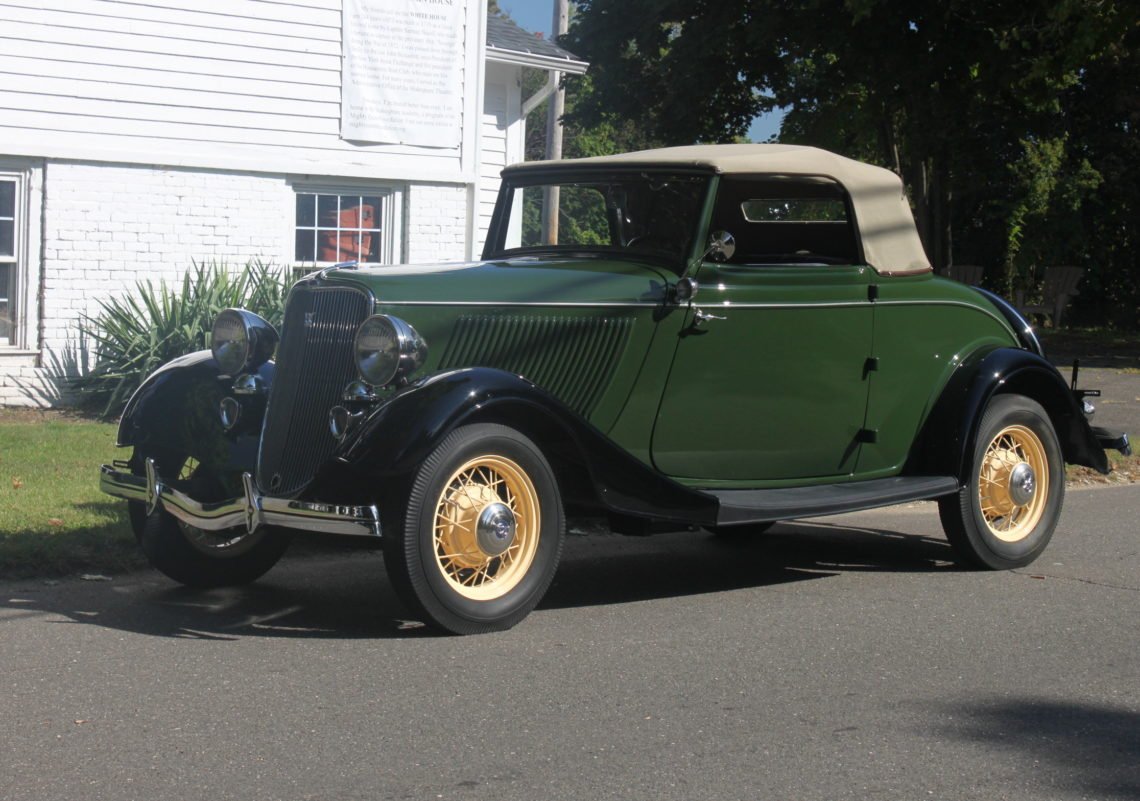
(246, 84)
(36, 68)
(493, 156)
(502, 139)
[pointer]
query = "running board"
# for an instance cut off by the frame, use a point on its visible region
(764, 505)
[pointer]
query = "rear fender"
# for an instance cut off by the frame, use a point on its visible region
(947, 439)
(388, 447)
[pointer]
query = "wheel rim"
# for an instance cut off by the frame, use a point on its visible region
(486, 527)
(1013, 483)
(224, 542)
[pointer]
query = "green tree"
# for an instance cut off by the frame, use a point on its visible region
(964, 100)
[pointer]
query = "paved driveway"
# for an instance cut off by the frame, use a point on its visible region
(836, 659)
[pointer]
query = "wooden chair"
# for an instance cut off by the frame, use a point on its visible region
(1058, 288)
(966, 273)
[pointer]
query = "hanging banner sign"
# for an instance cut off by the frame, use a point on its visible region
(402, 71)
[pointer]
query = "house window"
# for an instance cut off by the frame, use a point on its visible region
(336, 226)
(10, 186)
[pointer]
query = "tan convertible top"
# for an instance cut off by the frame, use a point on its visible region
(882, 213)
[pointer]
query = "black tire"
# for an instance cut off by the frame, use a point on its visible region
(996, 521)
(458, 579)
(197, 558)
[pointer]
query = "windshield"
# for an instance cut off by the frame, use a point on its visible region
(653, 214)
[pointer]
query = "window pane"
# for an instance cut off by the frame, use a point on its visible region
(326, 210)
(7, 238)
(370, 246)
(7, 199)
(306, 211)
(305, 249)
(794, 210)
(372, 213)
(5, 305)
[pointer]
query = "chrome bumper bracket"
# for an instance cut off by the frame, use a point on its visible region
(252, 510)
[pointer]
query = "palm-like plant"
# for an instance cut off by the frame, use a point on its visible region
(135, 334)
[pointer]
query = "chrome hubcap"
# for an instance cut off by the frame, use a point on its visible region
(1022, 484)
(495, 529)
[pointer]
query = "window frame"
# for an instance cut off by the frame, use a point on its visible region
(23, 264)
(390, 216)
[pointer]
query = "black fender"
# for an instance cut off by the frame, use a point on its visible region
(947, 439)
(176, 410)
(386, 448)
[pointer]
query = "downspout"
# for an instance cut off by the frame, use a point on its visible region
(544, 91)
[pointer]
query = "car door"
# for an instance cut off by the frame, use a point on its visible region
(769, 378)
(772, 384)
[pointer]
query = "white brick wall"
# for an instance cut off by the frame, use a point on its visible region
(437, 223)
(107, 226)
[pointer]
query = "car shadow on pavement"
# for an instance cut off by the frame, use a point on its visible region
(1095, 748)
(610, 569)
(346, 594)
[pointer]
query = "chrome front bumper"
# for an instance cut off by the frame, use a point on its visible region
(251, 511)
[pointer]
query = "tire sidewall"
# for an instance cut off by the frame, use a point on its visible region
(1002, 411)
(441, 602)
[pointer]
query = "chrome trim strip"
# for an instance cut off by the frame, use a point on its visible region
(581, 305)
(251, 511)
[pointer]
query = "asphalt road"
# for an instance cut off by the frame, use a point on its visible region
(837, 659)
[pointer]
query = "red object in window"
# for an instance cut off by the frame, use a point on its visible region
(342, 245)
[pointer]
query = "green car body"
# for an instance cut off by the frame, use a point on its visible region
(654, 366)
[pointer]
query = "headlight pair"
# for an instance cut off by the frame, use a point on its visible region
(242, 341)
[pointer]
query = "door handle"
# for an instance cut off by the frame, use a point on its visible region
(700, 316)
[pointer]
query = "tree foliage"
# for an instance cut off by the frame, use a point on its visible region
(1012, 122)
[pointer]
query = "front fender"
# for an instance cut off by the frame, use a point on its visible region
(390, 445)
(176, 410)
(947, 439)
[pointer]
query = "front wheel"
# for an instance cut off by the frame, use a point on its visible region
(481, 532)
(195, 557)
(1004, 516)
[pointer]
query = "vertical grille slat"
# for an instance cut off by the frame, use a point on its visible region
(572, 358)
(314, 363)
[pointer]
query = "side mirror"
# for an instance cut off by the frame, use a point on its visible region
(722, 246)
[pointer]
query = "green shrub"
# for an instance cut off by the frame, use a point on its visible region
(135, 334)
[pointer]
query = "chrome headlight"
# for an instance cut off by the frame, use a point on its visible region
(387, 349)
(242, 341)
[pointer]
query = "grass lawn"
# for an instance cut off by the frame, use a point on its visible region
(53, 519)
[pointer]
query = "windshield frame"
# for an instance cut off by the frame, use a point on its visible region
(521, 177)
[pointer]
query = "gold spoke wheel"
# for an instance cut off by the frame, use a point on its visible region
(486, 527)
(1013, 483)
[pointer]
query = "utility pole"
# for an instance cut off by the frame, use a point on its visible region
(554, 131)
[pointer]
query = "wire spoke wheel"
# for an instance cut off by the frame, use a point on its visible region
(486, 528)
(478, 539)
(1010, 499)
(1013, 483)
(194, 556)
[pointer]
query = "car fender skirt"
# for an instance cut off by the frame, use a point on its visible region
(176, 409)
(947, 438)
(396, 437)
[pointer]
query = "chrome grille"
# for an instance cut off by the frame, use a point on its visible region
(314, 363)
(572, 358)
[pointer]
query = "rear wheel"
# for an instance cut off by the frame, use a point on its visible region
(481, 532)
(1004, 516)
(194, 556)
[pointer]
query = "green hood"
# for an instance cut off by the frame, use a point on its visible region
(532, 280)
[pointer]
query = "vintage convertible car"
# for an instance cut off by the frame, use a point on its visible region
(721, 337)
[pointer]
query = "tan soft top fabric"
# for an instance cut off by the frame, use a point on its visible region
(886, 224)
